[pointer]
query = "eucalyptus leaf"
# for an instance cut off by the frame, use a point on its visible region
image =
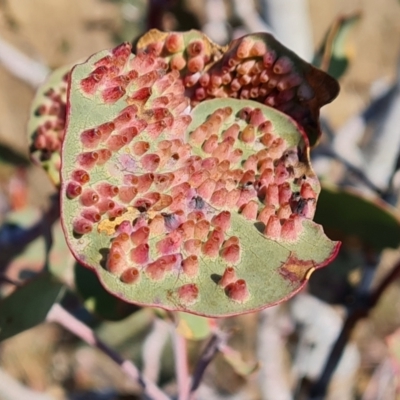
(47, 122)
(255, 66)
(208, 213)
(28, 305)
(349, 212)
(334, 54)
(97, 299)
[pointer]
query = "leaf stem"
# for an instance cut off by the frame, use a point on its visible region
(181, 363)
(217, 339)
(61, 316)
(153, 347)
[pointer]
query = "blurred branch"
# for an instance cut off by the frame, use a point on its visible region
(270, 351)
(245, 10)
(18, 64)
(153, 347)
(379, 156)
(216, 26)
(346, 141)
(217, 340)
(356, 171)
(364, 303)
(381, 384)
(5, 279)
(181, 363)
(383, 150)
(350, 134)
(61, 316)
(289, 20)
(316, 337)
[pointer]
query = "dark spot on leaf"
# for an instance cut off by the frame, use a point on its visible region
(246, 185)
(260, 226)
(294, 269)
(76, 235)
(298, 206)
(215, 278)
(302, 155)
(134, 222)
(171, 221)
(104, 255)
(198, 203)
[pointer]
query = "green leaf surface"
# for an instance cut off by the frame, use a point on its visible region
(334, 53)
(193, 327)
(336, 284)
(255, 67)
(348, 212)
(97, 299)
(46, 123)
(28, 305)
(207, 213)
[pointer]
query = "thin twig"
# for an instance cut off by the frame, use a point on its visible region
(363, 306)
(217, 339)
(357, 172)
(380, 289)
(6, 279)
(153, 347)
(61, 316)
(181, 363)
